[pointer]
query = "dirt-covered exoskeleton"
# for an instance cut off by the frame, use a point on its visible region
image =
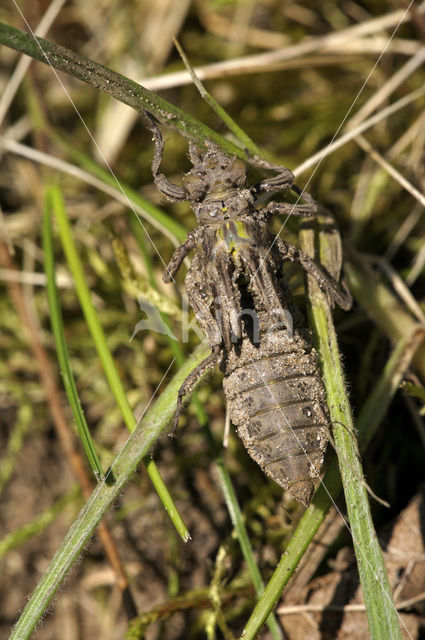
(257, 335)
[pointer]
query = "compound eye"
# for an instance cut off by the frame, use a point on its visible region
(236, 172)
(214, 212)
(195, 185)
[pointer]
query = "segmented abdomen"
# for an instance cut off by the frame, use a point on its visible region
(277, 402)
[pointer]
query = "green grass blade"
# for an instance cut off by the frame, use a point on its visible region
(135, 449)
(243, 538)
(61, 349)
(24, 417)
(237, 519)
(368, 423)
(117, 85)
(165, 221)
(382, 615)
(239, 133)
(369, 420)
(20, 536)
(104, 353)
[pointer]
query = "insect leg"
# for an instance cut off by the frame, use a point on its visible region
(228, 302)
(282, 182)
(286, 208)
(339, 295)
(201, 298)
(305, 196)
(172, 191)
(265, 287)
(192, 379)
(195, 154)
(178, 256)
(215, 299)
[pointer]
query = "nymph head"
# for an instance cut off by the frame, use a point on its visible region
(213, 173)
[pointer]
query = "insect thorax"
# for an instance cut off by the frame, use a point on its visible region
(223, 204)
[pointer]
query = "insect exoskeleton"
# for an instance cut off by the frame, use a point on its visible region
(257, 335)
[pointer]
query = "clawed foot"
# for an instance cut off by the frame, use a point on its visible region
(175, 422)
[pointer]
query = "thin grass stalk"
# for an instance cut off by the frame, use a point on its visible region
(23, 421)
(113, 83)
(104, 353)
(20, 536)
(245, 141)
(241, 532)
(135, 449)
(382, 615)
(328, 491)
(60, 342)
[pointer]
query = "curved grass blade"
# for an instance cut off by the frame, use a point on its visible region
(104, 353)
(368, 422)
(20, 536)
(382, 616)
(109, 185)
(61, 349)
(239, 133)
(244, 541)
(135, 449)
(117, 85)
